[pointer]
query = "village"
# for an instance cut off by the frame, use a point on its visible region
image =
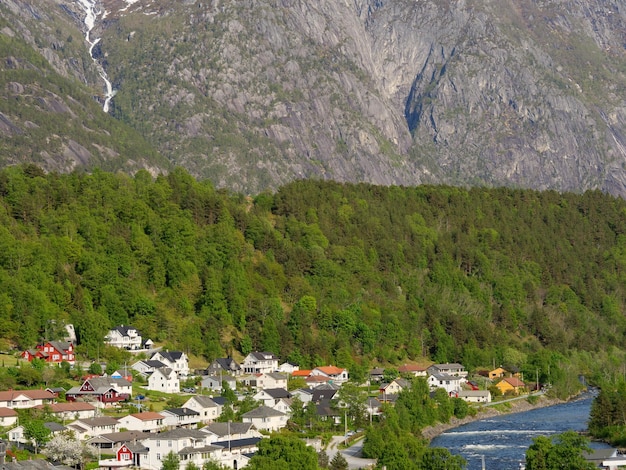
(203, 428)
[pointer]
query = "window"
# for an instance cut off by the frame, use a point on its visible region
(158, 443)
(158, 456)
(169, 443)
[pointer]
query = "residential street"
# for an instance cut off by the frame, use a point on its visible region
(352, 454)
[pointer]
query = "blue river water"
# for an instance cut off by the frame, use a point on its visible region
(504, 439)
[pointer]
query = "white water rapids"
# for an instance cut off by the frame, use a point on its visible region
(91, 13)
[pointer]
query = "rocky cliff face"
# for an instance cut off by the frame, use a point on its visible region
(255, 93)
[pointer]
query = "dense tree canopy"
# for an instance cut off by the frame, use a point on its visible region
(318, 272)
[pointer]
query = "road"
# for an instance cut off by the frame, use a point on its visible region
(352, 453)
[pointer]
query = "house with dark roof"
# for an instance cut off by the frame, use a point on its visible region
(106, 390)
(181, 417)
(260, 362)
(225, 366)
(175, 360)
(191, 446)
(52, 352)
(145, 368)
(123, 337)
(113, 440)
(266, 418)
(206, 407)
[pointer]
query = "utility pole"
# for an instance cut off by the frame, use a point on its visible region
(345, 425)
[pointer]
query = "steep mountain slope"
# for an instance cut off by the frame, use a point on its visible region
(255, 93)
(46, 116)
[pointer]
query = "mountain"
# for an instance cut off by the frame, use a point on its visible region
(252, 94)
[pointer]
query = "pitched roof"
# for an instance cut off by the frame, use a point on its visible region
(9, 395)
(277, 393)
(7, 412)
(262, 412)
(182, 412)
(71, 407)
(237, 443)
(301, 373)
(147, 415)
(122, 436)
(171, 356)
(331, 370)
(263, 356)
(204, 401)
(227, 363)
(514, 382)
(99, 421)
(223, 429)
(60, 345)
(124, 329)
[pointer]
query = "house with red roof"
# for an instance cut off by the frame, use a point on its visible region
(25, 398)
(511, 385)
(8, 417)
(413, 369)
(70, 410)
(52, 352)
(149, 421)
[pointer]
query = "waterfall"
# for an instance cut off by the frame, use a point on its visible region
(91, 14)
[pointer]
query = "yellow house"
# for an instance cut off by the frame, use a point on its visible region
(497, 373)
(510, 385)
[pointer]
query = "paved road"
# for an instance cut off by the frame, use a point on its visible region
(352, 453)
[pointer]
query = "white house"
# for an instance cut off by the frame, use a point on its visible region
(148, 421)
(70, 410)
(207, 409)
(336, 374)
(123, 337)
(269, 397)
(288, 368)
(224, 365)
(173, 359)
(90, 427)
(145, 368)
(164, 380)
(15, 399)
(191, 446)
(271, 380)
(181, 417)
(475, 396)
(266, 418)
(259, 363)
(451, 383)
(448, 369)
(8, 417)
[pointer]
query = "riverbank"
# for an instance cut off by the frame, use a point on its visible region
(517, 406)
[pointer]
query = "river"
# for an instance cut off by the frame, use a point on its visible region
(503, 440)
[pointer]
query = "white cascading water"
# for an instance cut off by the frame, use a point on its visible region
(90, 20)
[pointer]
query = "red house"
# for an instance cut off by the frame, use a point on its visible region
(128, 455)
(106, 390)
(53, 352)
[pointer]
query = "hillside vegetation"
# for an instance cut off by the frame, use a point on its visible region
(317, 272)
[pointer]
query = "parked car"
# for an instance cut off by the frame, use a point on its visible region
(189, 389)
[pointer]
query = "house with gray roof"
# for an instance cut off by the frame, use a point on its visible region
(266, 418)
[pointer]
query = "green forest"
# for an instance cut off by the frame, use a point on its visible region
(318, 272)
